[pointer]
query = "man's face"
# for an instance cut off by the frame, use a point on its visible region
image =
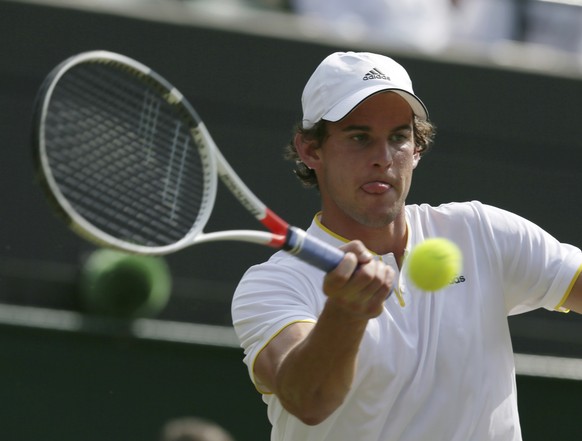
(365, 165)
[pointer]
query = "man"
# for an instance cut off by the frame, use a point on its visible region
(337, 357)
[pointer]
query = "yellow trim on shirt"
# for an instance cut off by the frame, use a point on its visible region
(317, 220)
(560, 308)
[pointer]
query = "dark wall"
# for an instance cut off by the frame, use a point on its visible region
(506, 137)
(58, 385)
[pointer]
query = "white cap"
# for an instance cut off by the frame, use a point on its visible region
(345, 79)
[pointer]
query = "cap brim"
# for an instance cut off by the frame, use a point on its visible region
(349, 103)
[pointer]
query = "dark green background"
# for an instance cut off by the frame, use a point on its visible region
(508, 136)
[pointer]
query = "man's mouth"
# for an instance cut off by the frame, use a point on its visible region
(376, 187)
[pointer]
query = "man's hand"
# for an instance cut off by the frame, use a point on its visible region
(359, 285)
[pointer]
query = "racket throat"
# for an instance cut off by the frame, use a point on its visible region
(278, 227)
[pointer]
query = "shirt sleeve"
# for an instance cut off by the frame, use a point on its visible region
(270, 297)
(537, 270)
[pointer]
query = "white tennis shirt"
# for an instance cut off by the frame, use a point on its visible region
(442, 366)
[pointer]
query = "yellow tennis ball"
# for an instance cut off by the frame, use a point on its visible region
(434, 263)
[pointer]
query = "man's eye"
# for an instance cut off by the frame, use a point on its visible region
(400, 138)
(361, 137)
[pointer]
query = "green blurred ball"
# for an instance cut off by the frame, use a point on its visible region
(118, 284)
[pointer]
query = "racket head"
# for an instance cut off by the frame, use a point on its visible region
(121, 154)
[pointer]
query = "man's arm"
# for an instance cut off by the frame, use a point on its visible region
(574, 301)
(310, 367)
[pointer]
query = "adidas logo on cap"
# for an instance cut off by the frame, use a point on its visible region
(375, 74)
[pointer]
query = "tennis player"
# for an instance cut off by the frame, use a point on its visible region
(336, 356)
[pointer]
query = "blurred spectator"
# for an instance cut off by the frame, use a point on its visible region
(485, 21)
(275, 5)
(551, 23)
(556, 24)
(419, 24)
(193, 429)
(432, 25)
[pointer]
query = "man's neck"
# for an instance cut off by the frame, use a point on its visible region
(391, 238)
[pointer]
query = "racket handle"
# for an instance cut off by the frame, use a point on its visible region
(312, 250)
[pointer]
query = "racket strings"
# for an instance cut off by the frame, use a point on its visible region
(107, 138)
(104, 201)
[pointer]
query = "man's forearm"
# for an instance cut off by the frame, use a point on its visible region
(316, 375)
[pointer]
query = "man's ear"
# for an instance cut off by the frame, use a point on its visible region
(308, 150)
(415, 159)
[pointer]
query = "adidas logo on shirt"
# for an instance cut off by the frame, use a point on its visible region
(458, 279)
(375, 74)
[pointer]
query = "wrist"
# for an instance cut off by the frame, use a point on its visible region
(343, 314)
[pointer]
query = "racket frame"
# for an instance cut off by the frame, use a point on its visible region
(281, 235)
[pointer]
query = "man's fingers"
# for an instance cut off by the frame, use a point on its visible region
(359, 287)
(359, 250)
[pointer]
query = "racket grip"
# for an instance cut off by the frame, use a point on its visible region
(312, 250)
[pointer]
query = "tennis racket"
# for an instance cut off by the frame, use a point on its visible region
(131, 165)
